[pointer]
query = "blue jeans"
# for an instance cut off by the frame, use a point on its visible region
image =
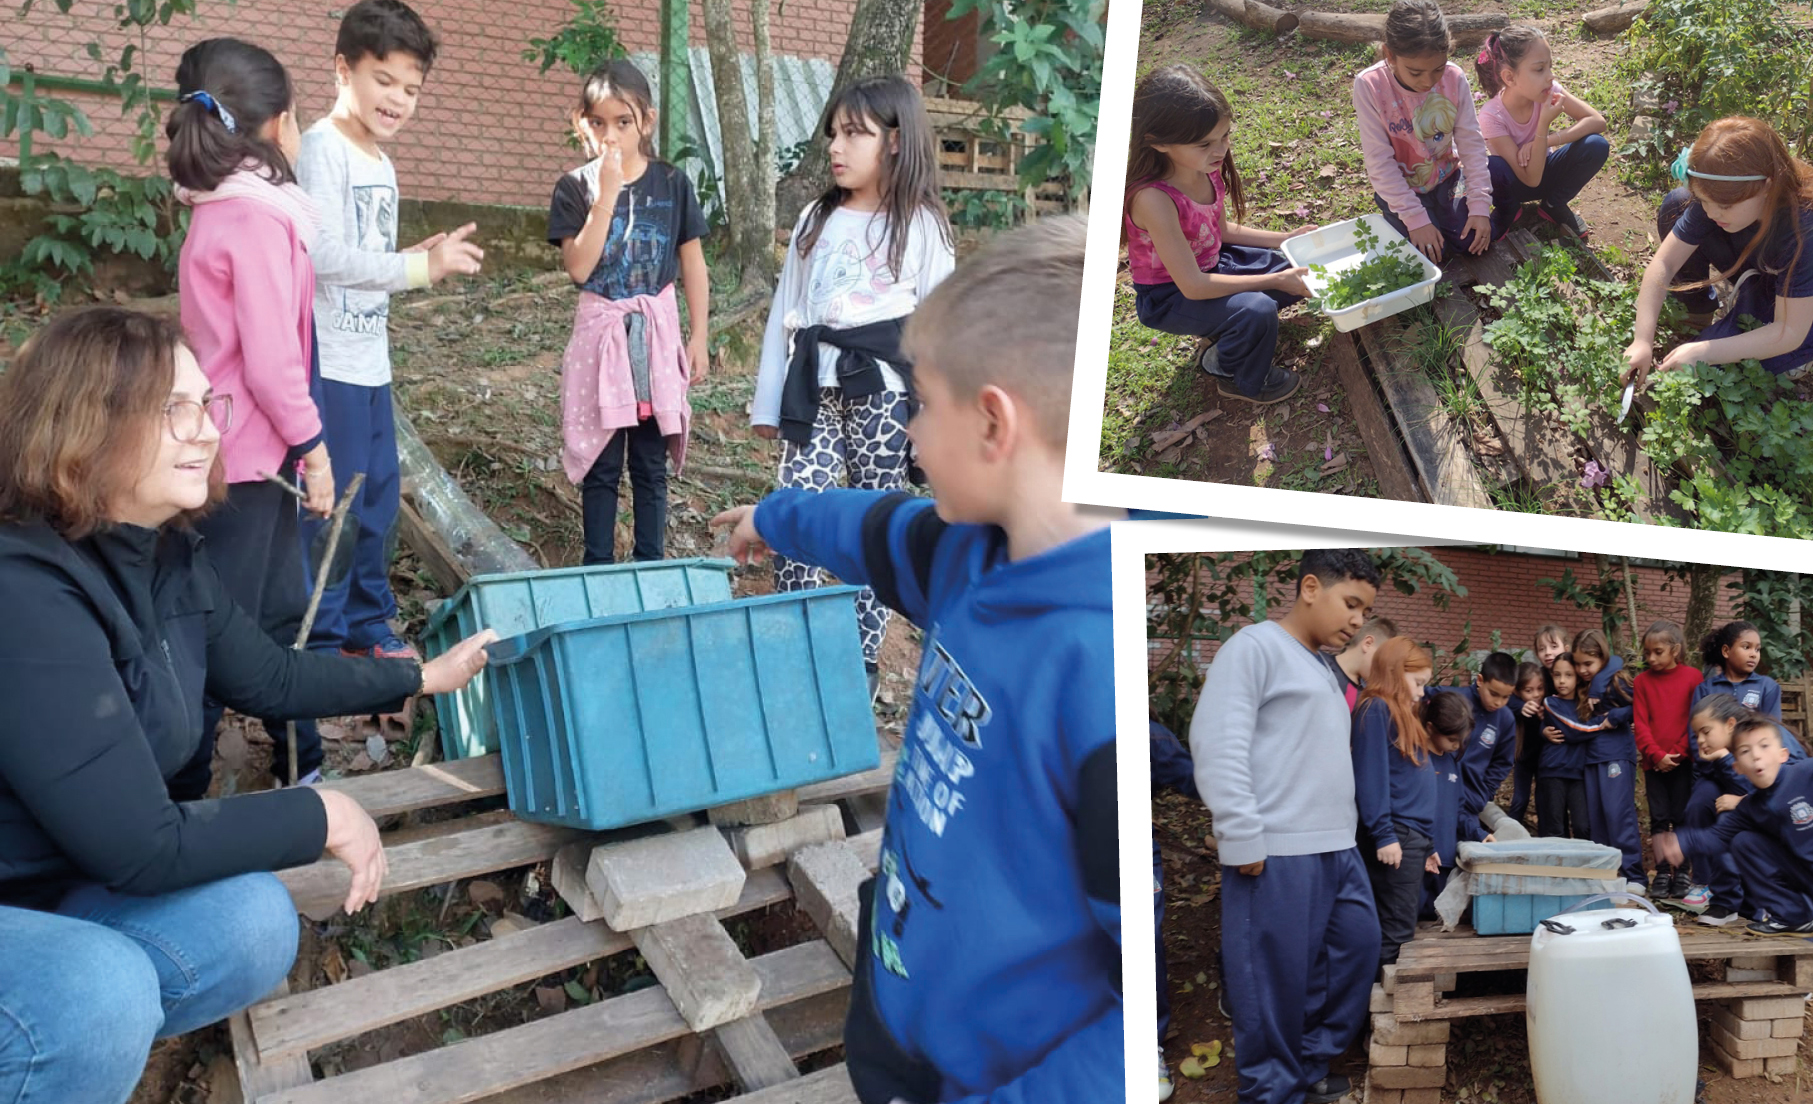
(1446, 206)
(85, 989)
(1566, 171)
(1244, 327)
(359, 425)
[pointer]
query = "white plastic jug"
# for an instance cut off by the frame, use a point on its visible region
(1610, 1012)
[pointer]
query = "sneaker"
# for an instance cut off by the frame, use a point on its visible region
(1768, 925)
(1328, 1090)
(1210, 362)
(1164, 1077)
(1683, 884)
(1565, 217)
(1698, 896)
(874, 683)
(1718, 916)
(1635, 889)
(1663, 881)
(391, 647)
(1280, 384)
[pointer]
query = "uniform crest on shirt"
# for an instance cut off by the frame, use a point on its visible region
(1801, 812)
(1488, 735)
(1752, 698)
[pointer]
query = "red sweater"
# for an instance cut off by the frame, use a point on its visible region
(1660, 707)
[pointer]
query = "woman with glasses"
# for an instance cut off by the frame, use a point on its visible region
(129, 911)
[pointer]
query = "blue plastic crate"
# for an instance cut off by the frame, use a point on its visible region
(625, 719)
(1517, 914)
(522, 602)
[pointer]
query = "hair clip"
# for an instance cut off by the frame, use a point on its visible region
(1681, 170)
(215, 106)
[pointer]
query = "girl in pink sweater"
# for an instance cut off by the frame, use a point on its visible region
(1421, 138)
(247, 293)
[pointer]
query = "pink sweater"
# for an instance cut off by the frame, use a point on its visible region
(1413, 143)
(597, 393)
(247, 297)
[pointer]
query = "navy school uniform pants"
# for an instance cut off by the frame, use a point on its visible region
(1611, 812)
(1561, 808)
(359, 425)
(1446, 205)
(1775, 880)
(1755, 296)
(1244, 327)
(1668, 793)
(1566, 171)
(1716, 870)
(1397, 892)
(1158, 943)
(1299, 944)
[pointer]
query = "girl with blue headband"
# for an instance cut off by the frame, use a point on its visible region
(1742, 214)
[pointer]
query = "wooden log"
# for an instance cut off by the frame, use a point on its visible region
(1467, 30)
(1383, 448)
(1618, 17)
(1443, 464)
(1260, 17)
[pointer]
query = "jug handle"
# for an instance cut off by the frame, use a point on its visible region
(1611, 897)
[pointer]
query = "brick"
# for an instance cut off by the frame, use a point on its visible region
(766, 809)
(1736, 1067)
(1733, 974)
(825, 878)
(1796, 970)
(645, 881)
(1413, 997)
(1381, 1000)
(1753, 962)
(760, 845)
(568, 876)
(1409, 1077)
(1388, 1029)
(1741, 1029)
(1767, 1008)
(1383, 1054)
(699, 965)
(1789, 1028)
(1430, 1054)
(1787, 1064)
(1375, 1095)
(1388, 974)
(1446, 983)
(1423, 1096)
(1766, 1047)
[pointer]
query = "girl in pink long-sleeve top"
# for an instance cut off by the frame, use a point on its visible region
(247, 292)
(1421, 139)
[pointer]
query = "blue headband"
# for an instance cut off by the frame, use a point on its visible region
(214, 105)
(1681, 171)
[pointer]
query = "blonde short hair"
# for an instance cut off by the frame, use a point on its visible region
(1007, 317)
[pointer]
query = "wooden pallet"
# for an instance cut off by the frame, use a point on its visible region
(1764, 993)
(1437, 447)
(971, 159)
(631, 1049)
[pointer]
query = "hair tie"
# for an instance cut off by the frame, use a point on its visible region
(220, 112)
(1681, 170)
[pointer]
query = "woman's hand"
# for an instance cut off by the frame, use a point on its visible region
(1727, 802)
(1638, 357)
(458, 665)
(1290, 282)
(352, 837)
(1479, 231)
(1428, 241)
(745, 543)
(318, 481)
(1391, 854)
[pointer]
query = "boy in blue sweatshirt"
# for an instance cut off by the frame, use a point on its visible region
(1299, 933)
(1769, 834)
(1491, 746)
(989, 969)
(1611, 757)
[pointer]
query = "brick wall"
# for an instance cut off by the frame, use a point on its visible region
(490, 129)
(1503, 594)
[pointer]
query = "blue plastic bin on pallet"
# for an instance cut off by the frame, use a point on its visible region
(1517, 884)
(625, 719)
(522, 602)
(1502, 914)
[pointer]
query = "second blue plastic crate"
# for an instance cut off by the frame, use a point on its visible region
(522, 602)
(626, 719)
(1517, 914)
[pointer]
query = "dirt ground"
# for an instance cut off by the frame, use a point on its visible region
(478, 371)
(1488, 1056)
(1296, 145)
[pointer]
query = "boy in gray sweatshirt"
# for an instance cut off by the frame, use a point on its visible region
(1299, 933)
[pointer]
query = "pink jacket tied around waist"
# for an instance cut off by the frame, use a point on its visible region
(597, 394)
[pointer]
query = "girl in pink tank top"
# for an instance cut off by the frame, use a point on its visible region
(1194, 271)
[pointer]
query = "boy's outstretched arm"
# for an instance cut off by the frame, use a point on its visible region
(880, 539)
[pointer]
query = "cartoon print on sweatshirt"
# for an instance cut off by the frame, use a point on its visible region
(1433, 130)
(843, 276)
(375, 231)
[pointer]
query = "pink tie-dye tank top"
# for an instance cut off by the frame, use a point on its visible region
(1201, 224)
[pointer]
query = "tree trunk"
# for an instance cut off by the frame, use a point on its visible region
(766, 138)
(1615, 18)
(1260, 17)
(1702, 598)
(1468, 30)
(750, 238)
(880, 42)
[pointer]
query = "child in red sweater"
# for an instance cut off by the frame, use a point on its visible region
(1663, 696)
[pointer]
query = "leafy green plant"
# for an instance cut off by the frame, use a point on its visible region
(972, 208)
(1780, 605)
(1382, 272)
(585, 41)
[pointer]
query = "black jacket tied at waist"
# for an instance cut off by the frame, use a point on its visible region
(862, 350)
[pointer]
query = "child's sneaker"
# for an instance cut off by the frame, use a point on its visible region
(1328, 1090)
(1210, 362)
(1697, 896)
(1718, 916)
(1636, 889)
(1683, 884)
(1663, 881)
(1769, 925)
(1565, 217)
(1280, 384)
(1164, 1077)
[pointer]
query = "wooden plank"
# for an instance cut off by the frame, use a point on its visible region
(479, 1067)
(755, 1053)
(321, 886)
(1436, 446)
(1542, 451)
(828, 1086)
(302, 1022)
(1383, 448)
(429, 547)
(261, 1073)
(1422, 958)
(1464, 1007)
(869, 781)
(388, 793)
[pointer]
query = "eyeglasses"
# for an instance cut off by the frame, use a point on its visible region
(184, 416)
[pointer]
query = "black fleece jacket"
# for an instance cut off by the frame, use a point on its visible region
(110, 643)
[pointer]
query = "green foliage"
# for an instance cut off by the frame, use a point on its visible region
(1606, 595)
(583, 42)
(1194, 598)
(1048, 60)
(1737, 436)
(1382, 272)
(1713, 58)
(972, 208)
(1780, 605)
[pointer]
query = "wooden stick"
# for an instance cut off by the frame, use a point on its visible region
(1260, 17)
(1615, 18)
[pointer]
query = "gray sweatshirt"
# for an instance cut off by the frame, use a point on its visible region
(1270, 737)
